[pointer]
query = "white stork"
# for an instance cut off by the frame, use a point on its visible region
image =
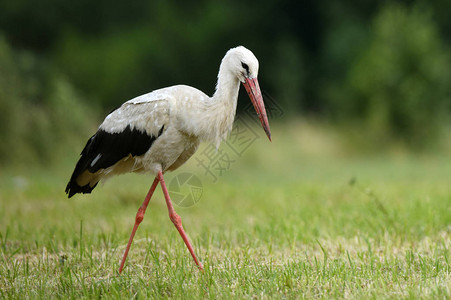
(161, 130)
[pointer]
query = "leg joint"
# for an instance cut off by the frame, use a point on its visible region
(175, 218)
(139, 215)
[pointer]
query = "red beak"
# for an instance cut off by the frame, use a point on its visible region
(253, 90)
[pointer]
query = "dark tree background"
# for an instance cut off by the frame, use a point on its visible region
(381, 66)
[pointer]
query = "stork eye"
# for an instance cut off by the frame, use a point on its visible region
(245, 66)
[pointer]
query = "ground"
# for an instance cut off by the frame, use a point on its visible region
(298, 217)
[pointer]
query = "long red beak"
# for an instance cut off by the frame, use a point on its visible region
(253, 90)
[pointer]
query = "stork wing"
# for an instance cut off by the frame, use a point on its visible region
(129, 130)
(147, 113)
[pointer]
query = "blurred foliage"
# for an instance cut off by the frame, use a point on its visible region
(40, 112)
(399, 85)
(380, 66)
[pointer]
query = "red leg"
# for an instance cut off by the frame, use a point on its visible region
(175, 218)
(138, 220)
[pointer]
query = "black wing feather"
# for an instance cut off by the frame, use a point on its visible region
(104, 149)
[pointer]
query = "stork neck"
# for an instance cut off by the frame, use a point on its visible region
(227, 87)
(221, 108)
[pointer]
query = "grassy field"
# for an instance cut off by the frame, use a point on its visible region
(298, 217)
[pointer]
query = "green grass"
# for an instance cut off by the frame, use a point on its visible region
(298, 217)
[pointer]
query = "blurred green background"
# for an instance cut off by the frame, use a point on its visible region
(377, 72)
(352, 197)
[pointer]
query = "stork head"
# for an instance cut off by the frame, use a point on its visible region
(243, 63)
